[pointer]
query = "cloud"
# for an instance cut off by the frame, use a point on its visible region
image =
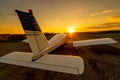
(114, 18)
(107, 11)
(114, 24)
(102, 12)
(95, 14)
(106, 25)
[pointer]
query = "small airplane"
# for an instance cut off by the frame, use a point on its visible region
(39, 58)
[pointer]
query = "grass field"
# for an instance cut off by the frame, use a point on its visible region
(101, 62)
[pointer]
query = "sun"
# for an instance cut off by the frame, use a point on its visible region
(71, 30)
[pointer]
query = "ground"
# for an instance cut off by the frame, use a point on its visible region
(101, 63)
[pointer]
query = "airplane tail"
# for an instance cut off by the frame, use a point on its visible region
(36, 38)
(40, 45)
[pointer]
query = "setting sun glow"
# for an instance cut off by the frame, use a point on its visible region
(71, 30)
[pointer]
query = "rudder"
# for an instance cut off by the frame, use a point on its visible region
(36, 38)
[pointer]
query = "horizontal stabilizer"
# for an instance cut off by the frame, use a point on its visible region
(59, 63)
(93, 42)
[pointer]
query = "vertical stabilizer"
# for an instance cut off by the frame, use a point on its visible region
(36, 38)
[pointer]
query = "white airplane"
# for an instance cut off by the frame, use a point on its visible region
(41, 47)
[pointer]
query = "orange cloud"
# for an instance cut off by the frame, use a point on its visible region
(114, 19)
(106, 25)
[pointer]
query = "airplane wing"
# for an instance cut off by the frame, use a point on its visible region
(59, 63)
(93, 42)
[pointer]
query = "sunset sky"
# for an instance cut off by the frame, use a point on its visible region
(60, 15)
